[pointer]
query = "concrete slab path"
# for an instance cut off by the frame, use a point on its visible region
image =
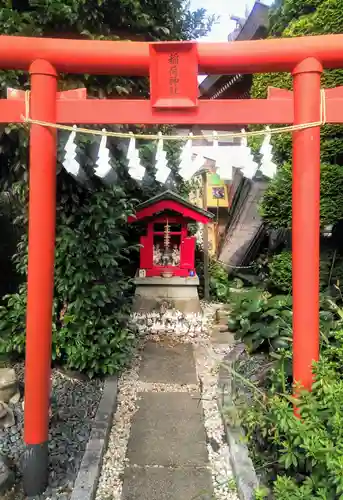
(167, 453)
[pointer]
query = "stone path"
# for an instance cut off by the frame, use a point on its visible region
(167, 454)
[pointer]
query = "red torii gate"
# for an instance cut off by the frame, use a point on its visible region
(173, 68)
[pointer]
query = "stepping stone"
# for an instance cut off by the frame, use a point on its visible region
(168, 364)
(168, 430)
(167, 484)
(220, 335)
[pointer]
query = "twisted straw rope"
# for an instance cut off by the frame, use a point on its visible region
(153, 137)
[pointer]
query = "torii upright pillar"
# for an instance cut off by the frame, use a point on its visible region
(42, 214)
(306, 220)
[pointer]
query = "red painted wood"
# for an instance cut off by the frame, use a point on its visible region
(132, 58)
(213, 112)
(184, 230)
(306, 223)
(333, 97)
(123, 58)
(172, 219)
(41, 253)
(209, 112)
(112, 111)
(11, 111)
(187, 249)
(81, 93)
(146, 252)
(276, 110)
(169, 205)
(173, 75)
(276, 93)
(336, 93)
(188, 253)
(72, 94)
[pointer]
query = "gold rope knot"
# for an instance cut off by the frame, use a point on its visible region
(26, 117)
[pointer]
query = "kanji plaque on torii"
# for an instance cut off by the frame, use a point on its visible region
(173, 68)
(174, 75)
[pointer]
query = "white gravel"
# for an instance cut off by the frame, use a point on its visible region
(207, 359)
(158, 387)
(110, 483)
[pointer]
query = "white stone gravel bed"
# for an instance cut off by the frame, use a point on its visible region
(110, 483)
(74, 405)
(207, 360)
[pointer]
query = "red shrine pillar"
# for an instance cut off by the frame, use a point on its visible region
(42, 209)
(306, 221)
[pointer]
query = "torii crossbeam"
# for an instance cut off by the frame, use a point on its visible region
(173, 68)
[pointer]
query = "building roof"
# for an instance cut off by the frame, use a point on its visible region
(255, 27)
(168, 200)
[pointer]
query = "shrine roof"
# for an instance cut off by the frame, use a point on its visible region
(168, 200)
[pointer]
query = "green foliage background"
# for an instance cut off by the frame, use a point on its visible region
(301, 458)
(291, 18)
(280, 270)
(96, 251)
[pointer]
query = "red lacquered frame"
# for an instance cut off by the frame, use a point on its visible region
(44, 58)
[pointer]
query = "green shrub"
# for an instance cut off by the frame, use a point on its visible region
(219, 282)
(264, 321)
(98, 345)
(92, 287)
(302, 458)
(276, 205)
(260, 320)
(280, 270)
(12, 322)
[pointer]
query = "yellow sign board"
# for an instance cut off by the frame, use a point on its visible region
(217, 192)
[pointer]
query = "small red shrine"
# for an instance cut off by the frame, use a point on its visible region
(167, 249)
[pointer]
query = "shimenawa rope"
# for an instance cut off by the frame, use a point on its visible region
(153, 137)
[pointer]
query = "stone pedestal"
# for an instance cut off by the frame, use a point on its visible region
(175, 292)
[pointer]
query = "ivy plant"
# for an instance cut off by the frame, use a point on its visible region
(291, 18)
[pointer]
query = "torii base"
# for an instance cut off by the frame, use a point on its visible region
(154, 293)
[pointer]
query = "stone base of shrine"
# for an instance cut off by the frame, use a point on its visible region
(178, 293)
